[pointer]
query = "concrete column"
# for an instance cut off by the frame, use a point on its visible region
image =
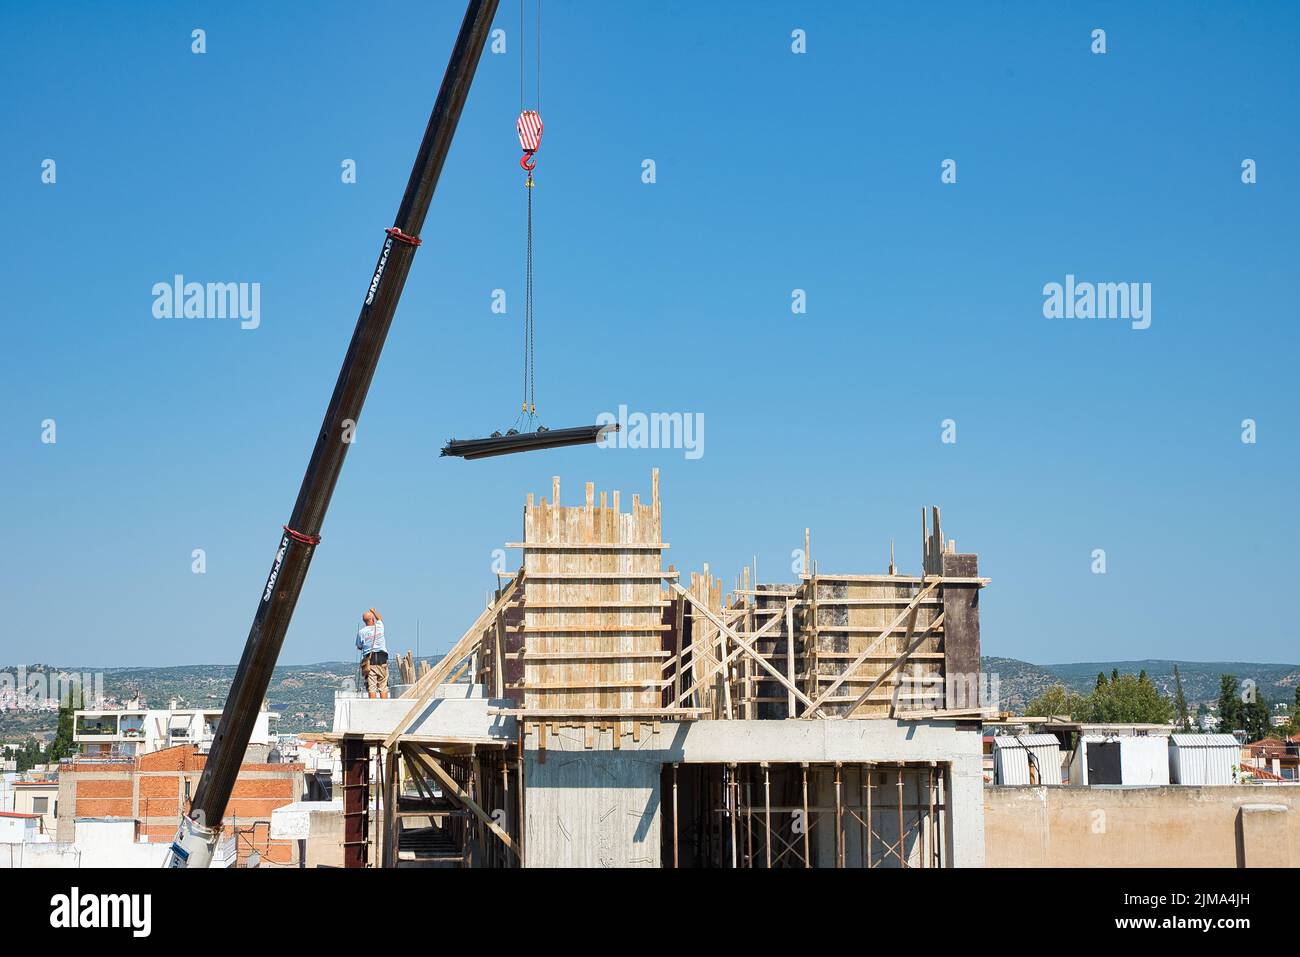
(964, 810)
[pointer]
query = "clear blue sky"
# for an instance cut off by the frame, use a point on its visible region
(775, 172)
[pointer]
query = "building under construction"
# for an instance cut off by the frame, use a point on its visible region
(607, 710)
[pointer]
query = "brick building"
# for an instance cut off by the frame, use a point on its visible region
(154, 790)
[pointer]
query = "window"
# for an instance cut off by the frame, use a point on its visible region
(40, 805)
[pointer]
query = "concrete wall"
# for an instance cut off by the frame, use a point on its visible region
(1175, 826)
(99, 844)
(592, 808)
(601, 807)
(318, 825)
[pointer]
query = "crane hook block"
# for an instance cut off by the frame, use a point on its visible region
(529, 127)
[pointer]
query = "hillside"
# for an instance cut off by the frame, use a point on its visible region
(304, 694)
(1020, 681)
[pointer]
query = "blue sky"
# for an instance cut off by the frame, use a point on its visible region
(775, 172)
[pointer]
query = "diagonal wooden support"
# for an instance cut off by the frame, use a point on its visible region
(427, 686)
(463, 797)
(896, 663)
(907, 613)
(748, 648)
(724, 662)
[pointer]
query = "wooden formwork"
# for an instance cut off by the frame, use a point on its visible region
(594, 623)
(704, 646)
(860, 645)
(855, 635)
(593, 633)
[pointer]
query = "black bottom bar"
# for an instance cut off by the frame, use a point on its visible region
(526, 441)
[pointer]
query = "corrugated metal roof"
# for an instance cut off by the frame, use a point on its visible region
(1025, 740)
(1012, 755)
(1204, 741)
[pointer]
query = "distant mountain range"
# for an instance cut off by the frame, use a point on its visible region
(304, 694)
(1019, 681)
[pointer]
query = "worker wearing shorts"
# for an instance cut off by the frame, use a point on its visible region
(374, 654)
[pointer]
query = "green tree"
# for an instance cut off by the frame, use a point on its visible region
(1255, 719)
(1180, 702)
(1230, 704)
(29, 755)
(1057, 700)
(1128, 699)
(1100, 683)
(63, 745)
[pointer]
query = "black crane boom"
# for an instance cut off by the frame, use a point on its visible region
(301, 535)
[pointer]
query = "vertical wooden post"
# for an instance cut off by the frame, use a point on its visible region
(902, 860)
(839, 819)
(676, 822)
(789, 658)
(929, 815)
(499, 651)
(871, 824)
(807, 822)
(726, 673)
(505, 804)
(749, 818)
(937, 835)
(680, 629)
(767, 814)
(731, 804)
(392, 823)
(519, 794)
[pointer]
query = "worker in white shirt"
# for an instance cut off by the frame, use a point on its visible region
(374, 654)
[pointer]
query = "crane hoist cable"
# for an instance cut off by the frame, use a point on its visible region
(529, 127)
(527, 433)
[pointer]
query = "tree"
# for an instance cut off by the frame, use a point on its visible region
(30, 755)
(63, 745)
(1057, 700)
(1180, 702)
(1128, 699)
(1230, 704)
(1255, 718)
(1100, 683)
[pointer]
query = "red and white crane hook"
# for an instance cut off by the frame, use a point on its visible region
(529, 127)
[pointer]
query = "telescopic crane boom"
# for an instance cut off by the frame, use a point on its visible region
(197, 837)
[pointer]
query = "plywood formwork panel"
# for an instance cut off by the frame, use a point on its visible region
(593, 621)
(851, 615)
(781, 646)
(705, 652)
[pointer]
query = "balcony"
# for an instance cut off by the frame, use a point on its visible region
(96, 728)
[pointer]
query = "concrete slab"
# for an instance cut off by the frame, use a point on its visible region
(449, 719)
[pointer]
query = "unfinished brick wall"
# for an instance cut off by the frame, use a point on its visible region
(154, 789)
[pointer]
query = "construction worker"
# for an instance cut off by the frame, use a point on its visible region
(374, 654)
